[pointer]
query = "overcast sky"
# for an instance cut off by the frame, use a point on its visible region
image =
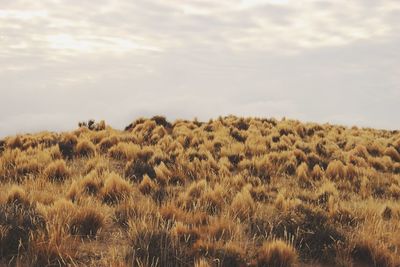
(65, 61)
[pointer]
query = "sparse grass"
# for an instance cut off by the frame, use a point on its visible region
(227, 192)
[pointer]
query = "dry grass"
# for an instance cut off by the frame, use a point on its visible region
(276, 253)
(227, 192)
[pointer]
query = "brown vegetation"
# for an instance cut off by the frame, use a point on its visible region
(227, 192)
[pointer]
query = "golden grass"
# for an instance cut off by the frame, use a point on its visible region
(227, 192)
(276, 253)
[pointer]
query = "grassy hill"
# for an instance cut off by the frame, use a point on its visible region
(228, 192)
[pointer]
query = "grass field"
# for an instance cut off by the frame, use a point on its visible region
(228, 192)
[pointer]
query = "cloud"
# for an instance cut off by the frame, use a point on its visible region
(310, 60)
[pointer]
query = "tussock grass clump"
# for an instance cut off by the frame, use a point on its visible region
(152, 244)
(336, 170)
(107, 143)
(313, 231)
(51, 249)
(115, 189)
(87, 222)
(134, 210)
(19, 219)
(395, 191)
(222, 229)
(392, 153)
(368, 254)
(57, 171)
(317, 173)
(17, 196)
(185, 234)
(91, 185)
(136, 169)
(67, 145)
(124, 151)
(15, 142)
(303, 175)
(276, 253)
(243, 205)
(163, 174)
(147, 185)
(85, 148)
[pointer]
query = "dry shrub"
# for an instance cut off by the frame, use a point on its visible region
(85, 148)
(336, 170)
(57, 171)
(87, 222)
(276, 253)
(115, 189)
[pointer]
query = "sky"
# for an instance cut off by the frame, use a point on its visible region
(62, 61)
